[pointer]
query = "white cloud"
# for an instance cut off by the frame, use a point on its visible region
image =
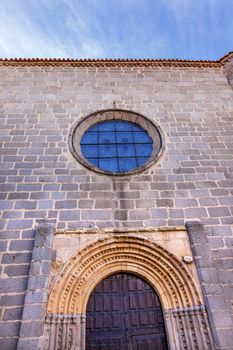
(20, 36)
(114, 28)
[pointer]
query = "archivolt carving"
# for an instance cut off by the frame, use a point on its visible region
(166, 273)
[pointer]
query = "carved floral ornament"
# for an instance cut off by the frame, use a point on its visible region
(165, 273)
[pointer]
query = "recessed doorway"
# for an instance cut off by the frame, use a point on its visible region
(124, 312)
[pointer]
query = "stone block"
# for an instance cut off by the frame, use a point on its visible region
(21, 245)
(35, 214)
(164, 203)
(66, 204)
(176, 214)
(128, 194)
(139, 203)
(32, 329)
(209, 275)
(37, 282)
(69, 215)
(69, 187)
(95, 187)
(12, 214)
(159, 213)
(185, 203)
(120, 214)
(193, 213)
(46, 204)
(9, 234)
(12, 314)
(139, 214)
(9, 343)
(15, 285)
(96, 214)
(9, 329)
(3, 246)
(225, 264)
(14, 270)
(225, 337)
(219, 212)
(40, 253)
(76, 195)
(228, 242)
(21, 204)
(226, 277)
(12, 300)
(139, 186)
(99, 204)
(39, 195)
(29, 187)
(162, 186)
(16, 258)
(185, 185)
(103, 195)
(45, 267)
(36, 296)
(28, 343)
(33, 312)
(6, 204)
(217, 303)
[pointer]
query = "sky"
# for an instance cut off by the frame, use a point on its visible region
(182, 29)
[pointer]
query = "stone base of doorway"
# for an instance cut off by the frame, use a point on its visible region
(187, 328)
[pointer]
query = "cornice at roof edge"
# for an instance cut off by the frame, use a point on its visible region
(114, 62)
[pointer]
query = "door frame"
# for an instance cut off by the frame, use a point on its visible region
(126, 288)
(179, 294)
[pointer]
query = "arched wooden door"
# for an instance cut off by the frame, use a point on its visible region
(124, 313)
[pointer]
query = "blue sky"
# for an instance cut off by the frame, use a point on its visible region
(188, 29)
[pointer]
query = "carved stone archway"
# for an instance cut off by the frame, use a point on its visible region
(184, 312)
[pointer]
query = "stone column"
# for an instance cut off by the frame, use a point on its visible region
(64, 332)
(217, 309)
(34, 311)
(188, 328)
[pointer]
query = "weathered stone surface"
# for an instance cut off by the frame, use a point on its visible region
(34, 309)
(40, 178)
(212, 280)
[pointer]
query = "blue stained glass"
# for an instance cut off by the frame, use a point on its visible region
(124, 137)
(107, 151)
(107, 137)
(93, 128)
(94, 161)
(142, 160)
(126, 150)
(136, 127)
(142, 137)
(123, 126)
(126, 164)
(89, 138)
(116, 146)
(109, 164)
(107, 126)
(89, 151)
(143, 149)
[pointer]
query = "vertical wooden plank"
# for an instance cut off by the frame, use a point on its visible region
(124, 312)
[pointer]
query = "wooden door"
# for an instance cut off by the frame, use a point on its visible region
(124, 313)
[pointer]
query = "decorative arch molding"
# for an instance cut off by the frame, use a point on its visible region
(165, 273)
(184, 313)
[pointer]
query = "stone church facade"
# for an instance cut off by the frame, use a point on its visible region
(70, 228)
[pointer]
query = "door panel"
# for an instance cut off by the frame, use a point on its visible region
(124, 312)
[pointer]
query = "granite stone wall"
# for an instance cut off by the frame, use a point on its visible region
(40, 179)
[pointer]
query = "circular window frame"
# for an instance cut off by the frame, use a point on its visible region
(82, 125)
